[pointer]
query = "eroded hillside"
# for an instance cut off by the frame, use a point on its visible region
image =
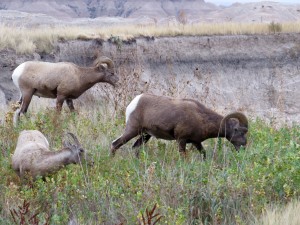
(257, 74)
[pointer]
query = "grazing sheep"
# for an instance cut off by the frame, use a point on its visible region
(183, 120)
(33, 156)
(63, 81)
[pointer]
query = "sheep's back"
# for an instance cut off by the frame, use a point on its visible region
(27, 136)
(31, 144)
(39, 74)
(28, 154)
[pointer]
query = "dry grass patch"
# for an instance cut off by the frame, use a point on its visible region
(285, 215)
(42, 39)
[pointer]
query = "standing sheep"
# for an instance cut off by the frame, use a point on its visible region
(64, 81)
(33, 156)
(183, 120)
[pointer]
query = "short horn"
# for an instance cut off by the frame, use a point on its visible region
(238, 115)
(74, 138)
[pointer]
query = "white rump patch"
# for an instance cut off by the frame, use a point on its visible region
(17, 73)
(132, 106)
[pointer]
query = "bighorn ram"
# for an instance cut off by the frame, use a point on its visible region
(32, 154)
(63, 81)
(183, 120)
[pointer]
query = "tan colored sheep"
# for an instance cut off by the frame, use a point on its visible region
(33, 156)
(64, 81)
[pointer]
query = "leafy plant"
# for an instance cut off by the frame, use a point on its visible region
(23, 216)
(149, 216)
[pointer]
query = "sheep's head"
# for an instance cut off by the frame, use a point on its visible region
(236, 128)
(106, 66)
(79, 154)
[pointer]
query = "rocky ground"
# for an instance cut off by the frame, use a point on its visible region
(257, 74)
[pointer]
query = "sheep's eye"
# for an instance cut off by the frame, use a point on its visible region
(81, 150)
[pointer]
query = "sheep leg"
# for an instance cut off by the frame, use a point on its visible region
(144, 138)
(26, 99)
(182, 145)
(18, 111)
(200, 149)
(59, 102)
(70, 105)
(128, 135)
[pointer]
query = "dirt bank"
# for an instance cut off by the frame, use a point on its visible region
(258, 74)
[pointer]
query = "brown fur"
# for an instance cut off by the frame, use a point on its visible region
(184, 120)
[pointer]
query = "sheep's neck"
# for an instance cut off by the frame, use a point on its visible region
(90, 76)
(53, 161)
(213, 128)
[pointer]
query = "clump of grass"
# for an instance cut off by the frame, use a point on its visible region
(288, 214)
(275, 27)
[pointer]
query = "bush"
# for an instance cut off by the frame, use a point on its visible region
(275, 27)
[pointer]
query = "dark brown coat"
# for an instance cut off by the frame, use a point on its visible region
(183, 120)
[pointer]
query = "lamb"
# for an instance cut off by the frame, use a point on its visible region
(64, 81)
(183, 120)
(32, 155)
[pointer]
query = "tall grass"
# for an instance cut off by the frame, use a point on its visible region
(43, 38)
(228, 188)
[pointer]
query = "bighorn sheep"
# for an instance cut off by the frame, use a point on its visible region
(63, 81)
(183, 120)
(32, 154)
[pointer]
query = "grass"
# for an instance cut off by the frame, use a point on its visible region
(288, 214)
(229, 188)
(42, 39)
(258, 185)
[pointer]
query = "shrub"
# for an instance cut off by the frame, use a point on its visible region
(275, 27)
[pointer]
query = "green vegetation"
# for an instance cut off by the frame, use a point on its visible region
(228, 188)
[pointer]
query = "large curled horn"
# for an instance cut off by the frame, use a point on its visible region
(238, 115)
(104, 59)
